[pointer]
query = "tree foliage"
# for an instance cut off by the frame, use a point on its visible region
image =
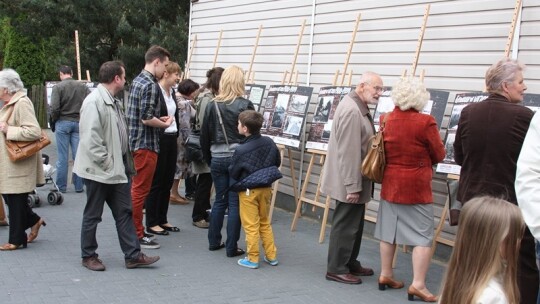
(108, 30)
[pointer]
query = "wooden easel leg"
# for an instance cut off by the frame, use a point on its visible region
(440, 225)
(297, 213)
(275, 187)
(293, 174)
(324, 219)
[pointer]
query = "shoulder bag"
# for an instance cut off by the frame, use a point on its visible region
(19, 150)
(375, 161)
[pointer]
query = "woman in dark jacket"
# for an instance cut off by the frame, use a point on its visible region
(487, 146)
(219, 138)
(412, 145)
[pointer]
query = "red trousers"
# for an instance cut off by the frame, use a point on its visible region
(145, 164)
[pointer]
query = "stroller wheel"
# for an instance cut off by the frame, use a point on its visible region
(38, 201)
(59, 198)
(31, 200)
(52, 197)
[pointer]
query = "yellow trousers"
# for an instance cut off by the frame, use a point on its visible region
(254, 209)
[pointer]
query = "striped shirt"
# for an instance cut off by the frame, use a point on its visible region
(142, 105)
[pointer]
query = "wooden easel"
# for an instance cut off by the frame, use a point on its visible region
(77, 55)
(250, 76)
(437, 238)
(322, 155)
(217, 49)
(282, 147)
(187, 71)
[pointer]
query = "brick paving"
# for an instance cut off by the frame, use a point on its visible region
(50, 271)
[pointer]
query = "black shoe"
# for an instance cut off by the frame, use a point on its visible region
(218, 247)
(170, 228)
(162, 232)
(236, 253)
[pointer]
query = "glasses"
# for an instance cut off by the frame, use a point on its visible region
(377, 88)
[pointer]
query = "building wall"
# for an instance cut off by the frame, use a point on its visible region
(462, 39)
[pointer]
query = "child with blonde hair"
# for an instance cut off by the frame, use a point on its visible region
(483, 265)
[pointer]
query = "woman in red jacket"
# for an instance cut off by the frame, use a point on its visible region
(412, 146)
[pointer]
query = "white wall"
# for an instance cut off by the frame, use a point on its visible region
(462, 39)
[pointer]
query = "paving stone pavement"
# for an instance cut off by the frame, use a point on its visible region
(50, 270)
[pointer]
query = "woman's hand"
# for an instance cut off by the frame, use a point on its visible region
(3, 127)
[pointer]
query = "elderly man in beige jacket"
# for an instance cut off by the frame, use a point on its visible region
(349, 138)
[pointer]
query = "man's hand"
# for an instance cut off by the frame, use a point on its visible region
(353, 198)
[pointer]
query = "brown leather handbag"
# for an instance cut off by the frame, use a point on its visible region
(375, 161)
(19, 150)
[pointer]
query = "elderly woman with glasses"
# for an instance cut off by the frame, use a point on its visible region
(412, 145)
(17, 179)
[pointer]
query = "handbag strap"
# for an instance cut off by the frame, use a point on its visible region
(221, 123)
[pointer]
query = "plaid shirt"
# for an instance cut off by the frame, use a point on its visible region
(142, 105)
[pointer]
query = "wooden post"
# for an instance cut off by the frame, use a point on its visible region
(193, 43)
(254, 51)
(88, 76)
(512, 28)
(349, 83)
(420, 40)
(351, 43)
(217, 49)
(77, 54)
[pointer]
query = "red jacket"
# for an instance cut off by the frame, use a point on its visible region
(412, 145)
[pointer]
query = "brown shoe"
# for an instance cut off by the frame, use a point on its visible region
(361, 271)
(424, 296)
(201, 224)
(390, 283)
(178, 200)
(93, 263)
(4, 223)
(141, 260)
(346, 278)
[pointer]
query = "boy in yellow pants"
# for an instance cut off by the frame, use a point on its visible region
(253, 169)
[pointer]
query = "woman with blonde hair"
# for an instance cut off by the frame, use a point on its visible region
(483, 265)
(17, 179)
(412, 145)
(219, 139)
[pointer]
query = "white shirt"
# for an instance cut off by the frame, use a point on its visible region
(171, 109)
(528, 177)
(493, 294)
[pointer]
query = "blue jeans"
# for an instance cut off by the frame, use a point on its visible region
(219, 169)
(67, 134)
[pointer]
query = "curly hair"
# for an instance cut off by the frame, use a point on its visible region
(410, 93)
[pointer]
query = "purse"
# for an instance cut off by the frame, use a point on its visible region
(193, 151)
(19, 150)
(375, 161)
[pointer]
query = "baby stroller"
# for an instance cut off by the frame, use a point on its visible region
(55, 196)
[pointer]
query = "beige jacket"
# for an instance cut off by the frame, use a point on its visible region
(347, 147)
(21, 176)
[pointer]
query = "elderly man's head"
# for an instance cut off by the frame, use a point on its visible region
(506, 78)
(370, 87)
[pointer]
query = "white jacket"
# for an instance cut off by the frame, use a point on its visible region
(528, 178)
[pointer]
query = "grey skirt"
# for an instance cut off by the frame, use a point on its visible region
(405, 224)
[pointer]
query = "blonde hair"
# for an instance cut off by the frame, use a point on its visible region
(172, 67)
(410, 93)
(231, 85)
(500, 72)
(487, 246)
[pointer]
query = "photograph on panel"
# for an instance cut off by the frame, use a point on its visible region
(266, 122)
(323, 109)
(298, 103)
(293, 125)
(269, 104)
(326, 131)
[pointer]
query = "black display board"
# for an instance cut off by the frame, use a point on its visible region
(327, 102)
(255, 93)
(285, 112)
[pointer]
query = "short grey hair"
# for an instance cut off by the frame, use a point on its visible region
(11, 80)
(410, 93)
(500, 72)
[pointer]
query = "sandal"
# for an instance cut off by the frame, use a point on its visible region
(11, 247)
(35, 230)
(170, 228)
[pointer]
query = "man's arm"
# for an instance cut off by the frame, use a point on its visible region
(55, 105)
(528, 178)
